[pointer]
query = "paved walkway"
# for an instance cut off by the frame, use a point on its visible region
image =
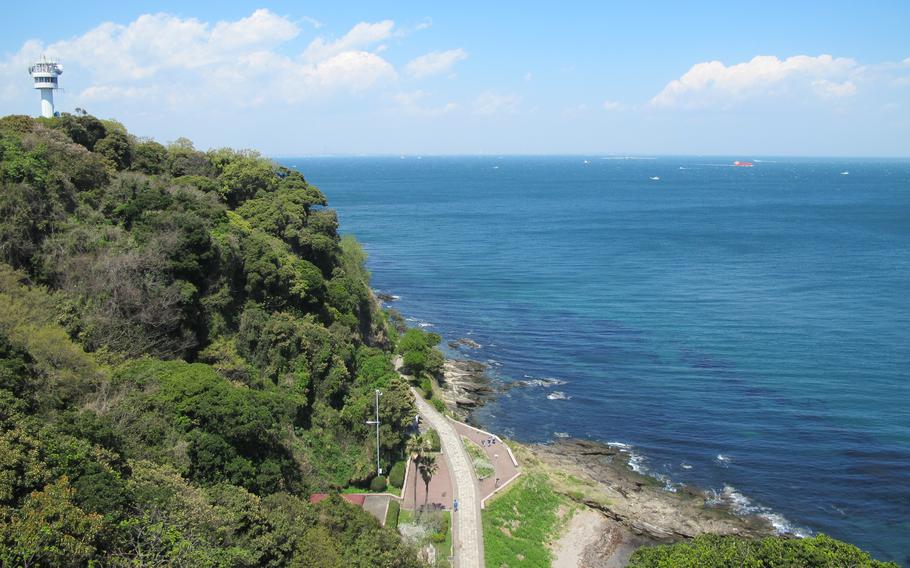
(498, 455)
(468, 535)
(440, 486)
(377, 505)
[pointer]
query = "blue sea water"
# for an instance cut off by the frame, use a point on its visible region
(742, 329)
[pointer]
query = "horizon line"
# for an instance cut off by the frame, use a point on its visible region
(605, 155)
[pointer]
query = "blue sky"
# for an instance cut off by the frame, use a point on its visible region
(289, 78)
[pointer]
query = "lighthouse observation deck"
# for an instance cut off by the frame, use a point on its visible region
(45, 74)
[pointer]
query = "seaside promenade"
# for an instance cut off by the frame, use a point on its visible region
(466, 522)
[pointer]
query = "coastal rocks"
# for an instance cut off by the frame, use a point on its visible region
(640, 503)
(464, 342)
(464, 385)
(386, 297)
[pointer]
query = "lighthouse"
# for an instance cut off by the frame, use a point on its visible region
(45, 74)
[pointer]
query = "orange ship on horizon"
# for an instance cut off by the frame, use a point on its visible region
(743, 164)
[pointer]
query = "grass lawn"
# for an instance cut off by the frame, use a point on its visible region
(482, 466)
(520, 523)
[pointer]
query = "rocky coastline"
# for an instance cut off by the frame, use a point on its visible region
(640, 503)
(464, 386)
(622, 509)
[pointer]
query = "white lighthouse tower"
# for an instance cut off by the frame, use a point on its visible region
(45, 74)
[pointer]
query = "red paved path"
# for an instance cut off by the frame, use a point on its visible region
(440, 486)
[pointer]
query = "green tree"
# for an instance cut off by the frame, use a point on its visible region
(149, 157)
(50, 530)
(427, 467)
(116, 147)
(415, 447)
(245, 178)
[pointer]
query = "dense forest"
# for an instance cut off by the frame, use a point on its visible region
(188, 349)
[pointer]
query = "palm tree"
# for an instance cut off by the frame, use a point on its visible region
(428, 468)
(415, 448)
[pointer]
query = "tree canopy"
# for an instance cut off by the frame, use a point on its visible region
(188, 349)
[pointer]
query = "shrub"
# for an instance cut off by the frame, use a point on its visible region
(438, 405)
(444, 525)
(433, 438)
(427, 387)
(396, 475)
(378, 484)
(714, 550)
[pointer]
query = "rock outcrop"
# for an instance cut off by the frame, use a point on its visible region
(641, 503)
(465, 385)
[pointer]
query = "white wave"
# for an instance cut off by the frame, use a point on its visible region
(668, 483)
(426, 324)
(636, 461)
(685, 466)
(530, 381)
(723, 460)
(742, 505)
(558, 395)
(561, 434)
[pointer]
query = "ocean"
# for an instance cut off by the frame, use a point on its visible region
(745, 330)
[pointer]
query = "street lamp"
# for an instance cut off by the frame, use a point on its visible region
(376, 423)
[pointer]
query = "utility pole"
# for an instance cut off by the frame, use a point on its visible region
(376, 423)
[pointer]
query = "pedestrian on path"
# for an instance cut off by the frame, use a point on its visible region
(456, 505)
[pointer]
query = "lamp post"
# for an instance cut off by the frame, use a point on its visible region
(376, 423)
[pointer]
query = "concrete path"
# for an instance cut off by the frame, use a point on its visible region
(377, 505)
(468, 535)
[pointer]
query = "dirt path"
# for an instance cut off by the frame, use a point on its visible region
(591, 540)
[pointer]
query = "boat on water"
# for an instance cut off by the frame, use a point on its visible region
(655, 178)
(739, 164)
(845, 173)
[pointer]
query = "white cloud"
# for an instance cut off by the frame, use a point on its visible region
(354, 70)
(313, 22)
(435, 62)
(412, 103)
(362, 35)
(260, 28)
(154, 42)
(831, 89)
(425, 24)
(171, 60)
(529, 76)
(612, 105)
(713, 82)
(13, 73)
(490, 103)
(113, 92)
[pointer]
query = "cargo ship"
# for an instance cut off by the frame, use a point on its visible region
(743, 164)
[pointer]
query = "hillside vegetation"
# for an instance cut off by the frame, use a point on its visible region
(188, 349)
